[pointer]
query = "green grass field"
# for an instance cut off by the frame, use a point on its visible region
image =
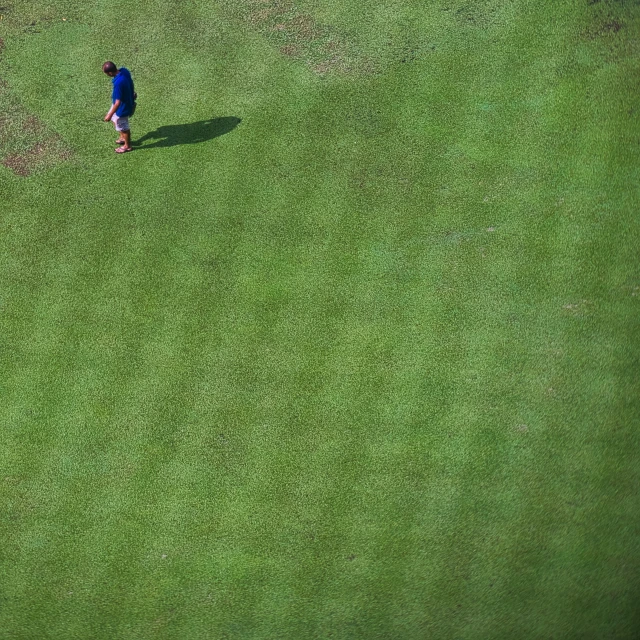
(347, 348)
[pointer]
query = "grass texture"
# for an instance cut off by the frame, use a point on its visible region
(347, 348)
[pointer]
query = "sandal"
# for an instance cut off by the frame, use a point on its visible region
(119, 141)
(123, 150)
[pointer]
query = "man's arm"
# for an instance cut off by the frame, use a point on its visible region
(114, 108)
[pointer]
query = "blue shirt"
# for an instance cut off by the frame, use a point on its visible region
(123, 91)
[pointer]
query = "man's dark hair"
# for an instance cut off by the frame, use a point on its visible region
(109, 67)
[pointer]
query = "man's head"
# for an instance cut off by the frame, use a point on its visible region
(109, 68)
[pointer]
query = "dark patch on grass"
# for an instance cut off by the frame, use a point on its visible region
(21, 163)
(471, 14)
(409, 55)
(604, 29)
(298, 35)
(290, 50)
(32, 124)
(406, 50)
(614, 26)
(369, 122)
(40, 155)
(614, 30)
(478, 14)
(26, 144)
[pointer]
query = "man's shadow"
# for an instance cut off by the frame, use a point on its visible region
(171, 135)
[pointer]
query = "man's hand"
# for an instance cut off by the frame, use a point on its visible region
(114, 108)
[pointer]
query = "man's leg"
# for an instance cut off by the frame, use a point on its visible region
(120, 139)
(125, 136)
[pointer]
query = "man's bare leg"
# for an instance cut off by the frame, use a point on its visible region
(125, 139)
(120, 139)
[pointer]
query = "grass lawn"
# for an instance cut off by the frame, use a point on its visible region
(347, 348)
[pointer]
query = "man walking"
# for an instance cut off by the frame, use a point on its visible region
(123, 106)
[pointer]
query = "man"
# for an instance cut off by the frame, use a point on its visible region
(123, 106)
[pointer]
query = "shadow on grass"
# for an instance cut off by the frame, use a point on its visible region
(172, 135)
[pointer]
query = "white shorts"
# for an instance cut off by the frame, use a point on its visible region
(121, 124)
